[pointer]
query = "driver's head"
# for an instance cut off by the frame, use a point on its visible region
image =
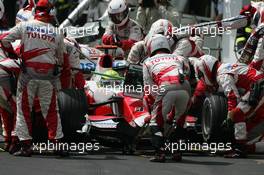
(110, 79)
(157, 43)
(118, 12)
(110, 74)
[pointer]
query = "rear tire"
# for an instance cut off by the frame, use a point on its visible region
(213, 114)
(72, 108)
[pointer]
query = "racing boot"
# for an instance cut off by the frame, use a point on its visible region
(7, 143)
(15, 145)
(25, 150)
(159, 156)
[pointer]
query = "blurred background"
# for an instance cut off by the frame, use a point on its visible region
(209, 9)
(179, 12)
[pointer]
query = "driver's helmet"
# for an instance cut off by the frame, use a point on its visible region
(205, 68)
(110, 79)
(118, 12)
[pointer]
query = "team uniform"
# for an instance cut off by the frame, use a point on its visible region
(163, 71)
(235, 81)
(126, 35)
(121, 31)
(137, 53)
(189, 47)
(167, 90)
(41, 49)
(8, 68)
(71, 77)
(26, 13)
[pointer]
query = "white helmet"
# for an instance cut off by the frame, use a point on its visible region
(2, 9)
(205, 68)
(157, 42)
(118, 12)
(161, 26)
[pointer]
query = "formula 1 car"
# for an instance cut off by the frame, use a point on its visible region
(113, 116)
(113, 111)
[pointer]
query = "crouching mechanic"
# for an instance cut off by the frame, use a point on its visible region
(8, 71)
(171, 99)
(186, 47)
(121, 31)
(42, 49)
(235, 80)
(138, 51)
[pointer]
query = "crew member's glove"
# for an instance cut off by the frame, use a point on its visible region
(117, 41)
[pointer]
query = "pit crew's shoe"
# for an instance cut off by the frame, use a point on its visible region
(15, 146)
(236, 153)
(6, 146)
(177, 157)
(159, 157)
(25, 151)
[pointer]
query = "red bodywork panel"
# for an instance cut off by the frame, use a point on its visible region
(131, 109)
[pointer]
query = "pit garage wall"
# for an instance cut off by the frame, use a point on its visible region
(231, 8)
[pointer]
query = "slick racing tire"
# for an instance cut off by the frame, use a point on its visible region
(214, 112)
(72, 108)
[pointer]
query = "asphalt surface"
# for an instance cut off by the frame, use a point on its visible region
(107, 162)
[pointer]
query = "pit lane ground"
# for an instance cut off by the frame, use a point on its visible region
(109, 162)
